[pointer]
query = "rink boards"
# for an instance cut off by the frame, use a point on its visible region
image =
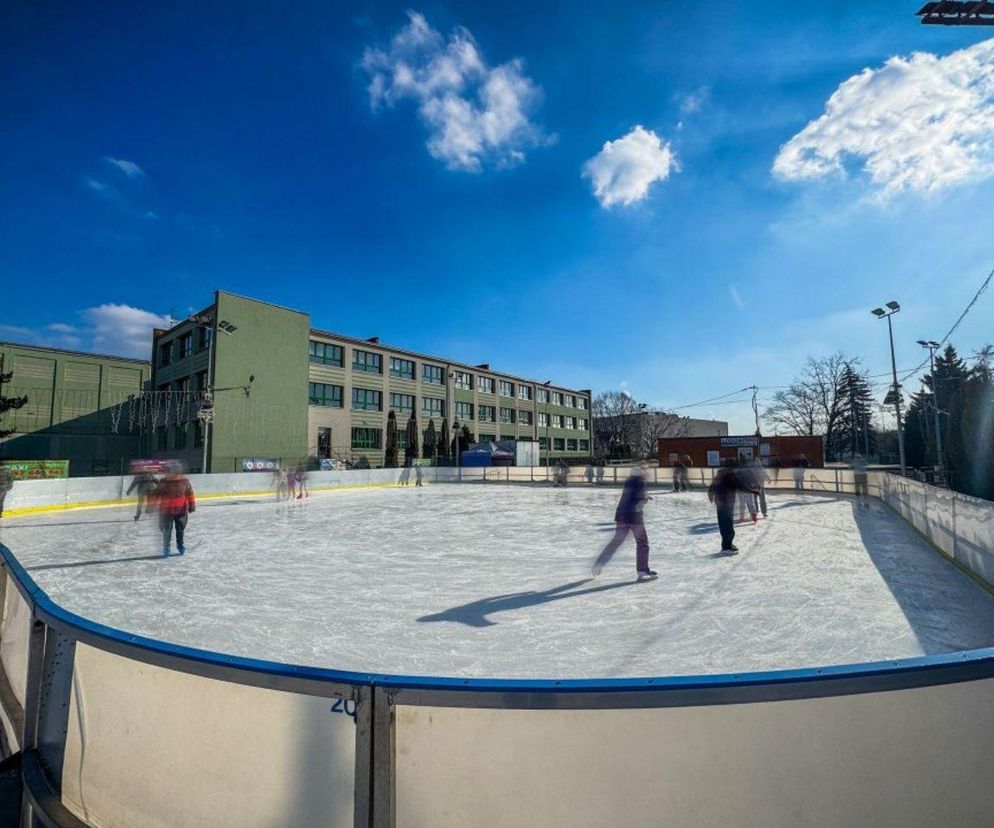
(119, 730)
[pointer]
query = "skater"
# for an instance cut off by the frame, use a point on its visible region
(6, 484)
(628, 518)
(760, 477)
(302, 492)
(291, 484)
(418, 475)
(175, 501)
(143, 484)
(279, 483)
(726, 484)
(679, 470)
(685, 477)
(800, 464)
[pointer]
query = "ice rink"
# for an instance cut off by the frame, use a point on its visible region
(491, 580)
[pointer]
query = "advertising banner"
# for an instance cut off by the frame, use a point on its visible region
(739, 441)
(36, 469)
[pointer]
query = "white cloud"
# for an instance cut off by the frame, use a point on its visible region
(919, 123)
(129, 168)
(120, 330)
(695, 101)
(123, 329)
(475, 114)
(623, 170)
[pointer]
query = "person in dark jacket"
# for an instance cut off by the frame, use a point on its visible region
(175, 501)
(143, 484)
(628, 518)
(679, 472)
(6, 484)
(726, 485)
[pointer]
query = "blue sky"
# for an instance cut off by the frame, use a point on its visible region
(326, 159)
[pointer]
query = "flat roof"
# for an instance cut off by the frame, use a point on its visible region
(74, 353)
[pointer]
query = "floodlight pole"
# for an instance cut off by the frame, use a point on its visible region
(880, 313)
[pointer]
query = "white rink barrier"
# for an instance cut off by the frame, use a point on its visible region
(117, 731)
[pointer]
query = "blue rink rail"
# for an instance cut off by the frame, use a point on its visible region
(902, 742)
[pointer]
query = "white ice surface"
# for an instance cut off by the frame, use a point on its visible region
(494, 580)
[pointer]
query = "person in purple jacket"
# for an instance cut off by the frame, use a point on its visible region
(628, 518)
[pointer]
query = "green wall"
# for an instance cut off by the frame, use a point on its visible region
(269, 343)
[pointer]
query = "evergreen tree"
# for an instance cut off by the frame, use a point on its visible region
(8, 403)
(854, 433)
(968, 426)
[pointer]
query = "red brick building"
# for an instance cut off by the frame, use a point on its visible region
(773, 451)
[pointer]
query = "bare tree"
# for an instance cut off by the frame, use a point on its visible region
(816, 401)
(624, 427)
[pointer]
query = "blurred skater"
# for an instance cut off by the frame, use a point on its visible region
(685, 475)
(800, 464)
(291, 484)
(175, 502)
(679, 470)
(279, 483)
(302, 482)
(760, 478)
(6, 484)
(417, 475)
(628, 518)
(722, 492)
(143, 484)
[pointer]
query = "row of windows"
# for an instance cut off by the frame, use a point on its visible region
(181, 436)
(367, 399)
(372, 438)
(371, 363)
(182, 346)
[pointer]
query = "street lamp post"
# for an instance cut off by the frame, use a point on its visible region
(932, 348)
(880, 313)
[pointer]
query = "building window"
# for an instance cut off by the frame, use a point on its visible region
(581, 403)
(506, 388)
(367, 362)
(543, 443)
(525, 417)
(201, 381)
(204, 337)
(543, 419)
(557, 398)
(581, 424)
(487, 413)
(324, 443)
(507, 415)
(402, 402)
(570, 401)
(485, 385)
(570, 444)
(166, 353)
(488, 438)
(198, 433)
(569, 422)
(324, 353)
(179, 437)
(433, 407)
(365, 438)
(524, 392)
(320, 394)
(432, 374)
(464, 411)
(557, 421)
(366, 399)
(542, 395)
(183, 385)
(402, 368)
(186, 345)
(558, 444)
(464, 381)
(585, 445)
(401, 439)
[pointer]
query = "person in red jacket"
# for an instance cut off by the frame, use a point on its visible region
(175, 501)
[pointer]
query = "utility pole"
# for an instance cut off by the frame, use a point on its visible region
(932, 348)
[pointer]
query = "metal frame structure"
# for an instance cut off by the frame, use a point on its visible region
(956, 13)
